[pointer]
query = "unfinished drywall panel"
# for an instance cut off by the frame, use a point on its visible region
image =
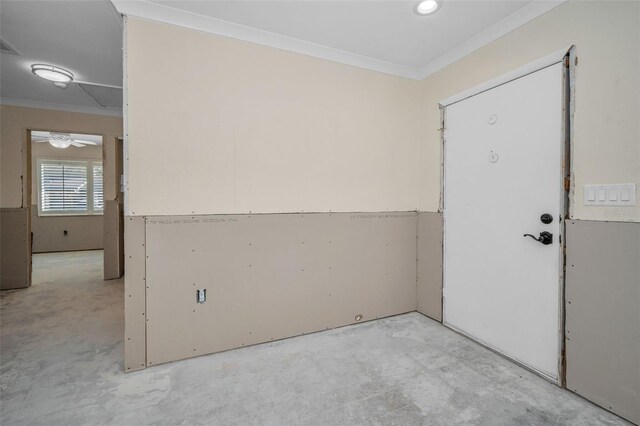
(606, 36)
(272, 276)
(273, 132)
(15, 247)
(134, 294)
(603, 314)
(65, 233)
(113, 211)
(112, 235)
(430, 264)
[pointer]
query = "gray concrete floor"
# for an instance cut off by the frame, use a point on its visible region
(61, 364)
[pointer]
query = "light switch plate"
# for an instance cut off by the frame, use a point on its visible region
(616, 194)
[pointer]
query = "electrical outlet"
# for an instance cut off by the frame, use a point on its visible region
(201, 295)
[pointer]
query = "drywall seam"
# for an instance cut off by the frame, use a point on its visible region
(573, 64)
(135, 313)
(125, 118)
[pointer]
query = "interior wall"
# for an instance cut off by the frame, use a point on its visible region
(606, 126)
(15, 246)
(251, 128)
(271, 276)
(429, 259)
(14, 171)
(603, 314)
(83, 232)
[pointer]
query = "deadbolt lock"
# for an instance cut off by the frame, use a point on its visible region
(546, 218)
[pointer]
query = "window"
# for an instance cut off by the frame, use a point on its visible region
(70, 187)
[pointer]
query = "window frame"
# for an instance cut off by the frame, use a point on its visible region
(89, 164)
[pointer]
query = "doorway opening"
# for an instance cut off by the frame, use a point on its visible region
(71, 216)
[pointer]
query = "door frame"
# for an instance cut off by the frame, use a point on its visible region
(568, 57)
(28, 174)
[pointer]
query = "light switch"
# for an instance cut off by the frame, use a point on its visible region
(624, 195)
(616, 194)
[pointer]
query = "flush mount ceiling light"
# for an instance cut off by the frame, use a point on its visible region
(427, 7)
(51, 73)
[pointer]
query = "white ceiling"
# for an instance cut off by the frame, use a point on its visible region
(83, 36)
(386, 30)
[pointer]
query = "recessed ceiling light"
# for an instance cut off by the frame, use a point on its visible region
(51, 73)
(427, 7)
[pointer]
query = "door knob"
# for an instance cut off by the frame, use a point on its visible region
(545, 238)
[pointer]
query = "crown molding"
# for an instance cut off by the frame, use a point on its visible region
(515, 20)
(166, 14)
(94, 110)
(169, 15)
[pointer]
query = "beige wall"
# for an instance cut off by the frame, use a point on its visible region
(83, 232)
(15, 121)
(226, 126)
(607, 132)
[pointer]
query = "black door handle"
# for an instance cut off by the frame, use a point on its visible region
(545, 238)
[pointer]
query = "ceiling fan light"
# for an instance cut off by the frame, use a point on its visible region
(427, 7)
(61, 144)
(51, 73)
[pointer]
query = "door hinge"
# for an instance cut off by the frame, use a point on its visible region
(567, 183)
(566, 61)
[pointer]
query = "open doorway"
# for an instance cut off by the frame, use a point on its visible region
(66, 204)
(74, 197)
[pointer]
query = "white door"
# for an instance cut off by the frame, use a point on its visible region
(503, 171)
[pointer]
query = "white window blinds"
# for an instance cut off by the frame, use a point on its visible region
(70, 187)
(98, 195)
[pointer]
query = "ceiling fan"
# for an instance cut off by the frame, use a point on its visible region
(62, 140)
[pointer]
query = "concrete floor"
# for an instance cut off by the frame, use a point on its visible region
(61, 364)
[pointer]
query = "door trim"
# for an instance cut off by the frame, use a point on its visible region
(568, 106)
(527, 69)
